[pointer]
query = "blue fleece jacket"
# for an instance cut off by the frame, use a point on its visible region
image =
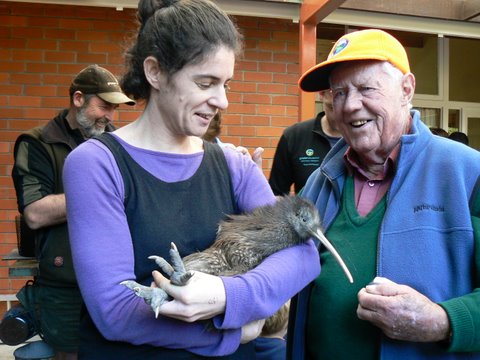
(426, 239)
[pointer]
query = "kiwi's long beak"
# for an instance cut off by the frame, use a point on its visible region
(319, 235)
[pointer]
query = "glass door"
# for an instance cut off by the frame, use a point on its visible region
(472, 117)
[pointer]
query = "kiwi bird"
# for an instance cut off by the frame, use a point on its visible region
(242, 242)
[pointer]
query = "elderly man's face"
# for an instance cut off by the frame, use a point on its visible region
(370, 101)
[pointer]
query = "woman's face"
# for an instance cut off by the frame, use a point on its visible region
(190, 98)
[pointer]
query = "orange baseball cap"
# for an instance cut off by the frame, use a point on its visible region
(371, 44)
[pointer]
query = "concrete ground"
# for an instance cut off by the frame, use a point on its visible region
(6, 351)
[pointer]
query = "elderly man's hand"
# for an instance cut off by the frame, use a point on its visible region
(251, 331)
(402, 313)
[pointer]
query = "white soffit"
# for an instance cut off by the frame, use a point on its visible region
(291, 10)
(267, 9)
(405, 23)
(118, 4)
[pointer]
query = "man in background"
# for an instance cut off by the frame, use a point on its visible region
(37, 175)
(213, 135)
(301, 149)
(459, 136)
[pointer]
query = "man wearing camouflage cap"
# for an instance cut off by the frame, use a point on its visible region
(37, 175)
(402, 207)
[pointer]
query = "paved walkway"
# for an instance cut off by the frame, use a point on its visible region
(6, 351)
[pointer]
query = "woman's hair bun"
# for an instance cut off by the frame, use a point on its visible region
(147, 8)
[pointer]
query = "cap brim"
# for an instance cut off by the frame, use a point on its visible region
(316, 78)
(116, 98)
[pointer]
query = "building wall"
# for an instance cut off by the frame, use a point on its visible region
(42, 47)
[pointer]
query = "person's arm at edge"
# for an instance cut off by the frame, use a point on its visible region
(281, 173)
(49, 210)
(33, 174)
(464, 312)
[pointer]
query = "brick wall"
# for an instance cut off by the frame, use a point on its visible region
(43, 46)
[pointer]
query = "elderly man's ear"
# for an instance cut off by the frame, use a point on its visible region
(408, 88)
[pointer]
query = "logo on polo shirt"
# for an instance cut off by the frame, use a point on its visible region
(310, 159)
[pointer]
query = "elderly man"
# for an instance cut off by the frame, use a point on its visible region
(403, 209)
(37, 175)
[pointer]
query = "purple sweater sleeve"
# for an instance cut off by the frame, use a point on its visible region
(103, 257)
(259, 293)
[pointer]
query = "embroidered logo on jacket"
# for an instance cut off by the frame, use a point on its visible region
(426, 207)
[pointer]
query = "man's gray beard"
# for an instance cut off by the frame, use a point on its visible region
(88, 128)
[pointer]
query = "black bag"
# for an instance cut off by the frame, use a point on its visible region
(20, 323)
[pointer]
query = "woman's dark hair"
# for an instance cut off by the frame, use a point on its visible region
(176, 33)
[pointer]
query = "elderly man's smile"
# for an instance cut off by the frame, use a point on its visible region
(359, 123)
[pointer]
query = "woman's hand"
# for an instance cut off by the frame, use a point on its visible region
(202, 298)
(256, 156)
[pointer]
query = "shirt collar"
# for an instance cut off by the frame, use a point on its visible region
(351, 161)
